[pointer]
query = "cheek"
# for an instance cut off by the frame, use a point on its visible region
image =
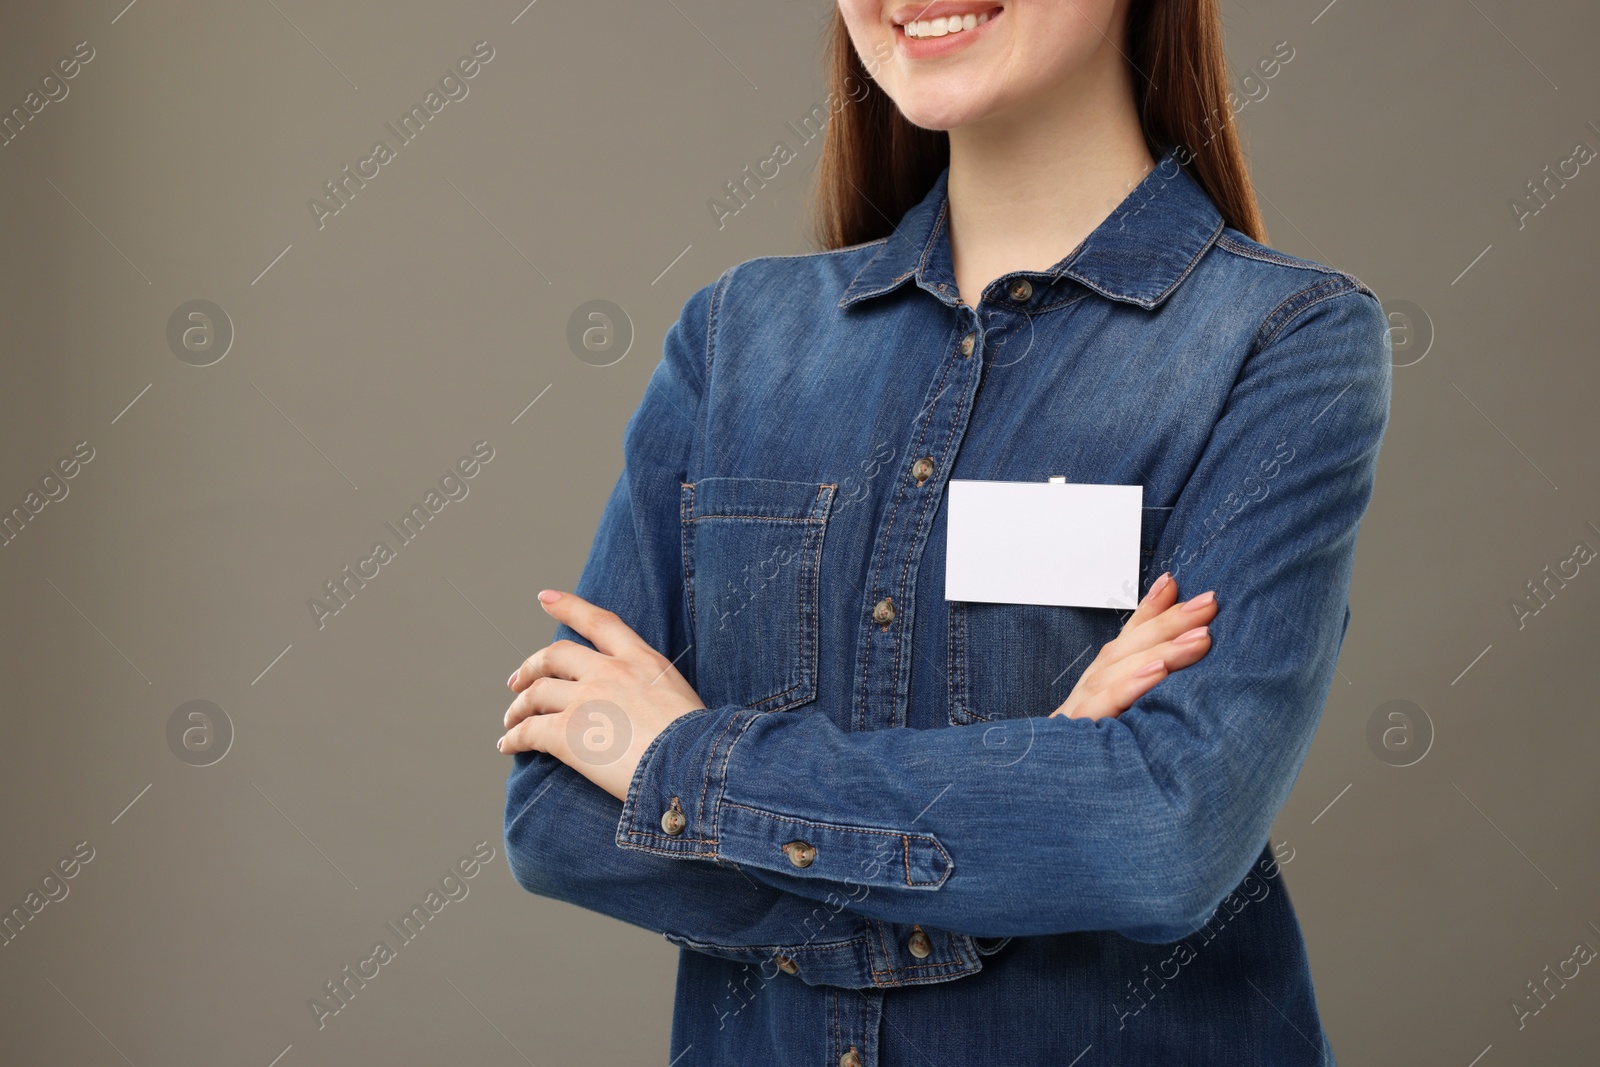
(1059, 40)
(863, 19)
(874, 42)
(1047, 47)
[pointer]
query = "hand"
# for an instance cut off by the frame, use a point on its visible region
(596, 710)
(1161, 636)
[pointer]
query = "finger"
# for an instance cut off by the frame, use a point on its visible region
(604, 629)
(537, 733)
(550, 695)
(1184, 650)
(1165, 626)
(1119, 695)
(559, 659)
(1162, 594)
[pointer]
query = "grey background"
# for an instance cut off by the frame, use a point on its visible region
(428, 315)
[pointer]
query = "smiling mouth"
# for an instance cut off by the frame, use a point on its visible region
(947, 25)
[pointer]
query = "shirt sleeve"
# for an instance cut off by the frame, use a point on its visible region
(560, 829)
(1140, 824)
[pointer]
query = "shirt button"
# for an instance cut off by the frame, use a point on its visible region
(851, 1058)
(1021, 290)
(883, 612)
(800, 853)
(673, 822)
(920, 944)
(969, 340)
(922, 469)
(786, 965)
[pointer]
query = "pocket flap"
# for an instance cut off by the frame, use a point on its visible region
(758, 498)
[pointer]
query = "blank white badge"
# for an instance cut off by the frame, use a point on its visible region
(1061, 543)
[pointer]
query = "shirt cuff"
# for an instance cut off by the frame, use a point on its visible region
(679, 804)
(670, 806)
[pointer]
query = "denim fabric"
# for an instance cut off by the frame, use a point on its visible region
(986, 884)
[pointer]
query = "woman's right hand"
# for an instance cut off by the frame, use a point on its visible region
(1160, 637)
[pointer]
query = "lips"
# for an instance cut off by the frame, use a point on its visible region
(934, 9)
(942, 27)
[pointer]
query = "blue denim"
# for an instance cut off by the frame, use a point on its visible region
(889, 847)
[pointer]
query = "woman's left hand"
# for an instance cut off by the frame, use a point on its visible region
(596, 710)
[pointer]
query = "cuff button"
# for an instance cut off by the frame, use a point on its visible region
(920, 944)
(800, 853)
(672, 820)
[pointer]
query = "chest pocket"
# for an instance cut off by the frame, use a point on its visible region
(1007, 661)
(752, 557)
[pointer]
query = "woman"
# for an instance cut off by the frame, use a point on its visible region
(890, 829)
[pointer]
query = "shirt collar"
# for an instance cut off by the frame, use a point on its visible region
(1139, 253)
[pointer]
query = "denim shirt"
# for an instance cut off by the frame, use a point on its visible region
(889, 853)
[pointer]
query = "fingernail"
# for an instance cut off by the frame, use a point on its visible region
(1200, 601)
(512, 680)
(548, 596)
(1159, 584)
(499, 746)
(1192, 635)
(1150, 668)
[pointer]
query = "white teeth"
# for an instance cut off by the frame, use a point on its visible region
(940, 27)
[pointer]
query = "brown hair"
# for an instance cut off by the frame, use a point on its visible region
(876, 165)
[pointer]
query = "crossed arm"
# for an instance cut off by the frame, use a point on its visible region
(1139, 823)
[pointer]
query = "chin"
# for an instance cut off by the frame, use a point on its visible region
(943, 110)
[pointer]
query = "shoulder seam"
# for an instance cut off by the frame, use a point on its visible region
(1268, 256)
(824, 252)
(1304, 301)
